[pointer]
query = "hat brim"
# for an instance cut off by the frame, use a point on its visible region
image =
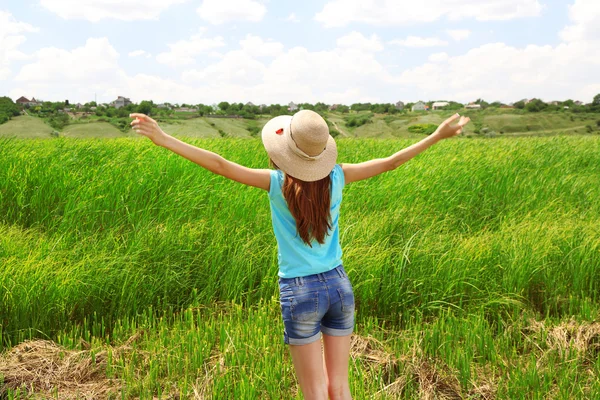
(282, 155)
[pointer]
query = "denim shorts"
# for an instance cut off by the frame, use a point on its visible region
(316, 303)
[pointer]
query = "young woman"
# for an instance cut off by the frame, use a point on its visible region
(305, 194)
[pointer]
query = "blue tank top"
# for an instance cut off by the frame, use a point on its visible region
(295, 257)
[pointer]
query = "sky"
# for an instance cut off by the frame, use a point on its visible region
(267, 51)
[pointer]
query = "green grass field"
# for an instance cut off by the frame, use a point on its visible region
(476, 270)
(25, 127)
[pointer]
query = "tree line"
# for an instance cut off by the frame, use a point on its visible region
(53, 112)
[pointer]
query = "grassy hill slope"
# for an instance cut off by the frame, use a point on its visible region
(26, 127)
(498, 122)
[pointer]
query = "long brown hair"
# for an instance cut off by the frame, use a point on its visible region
(310, 205)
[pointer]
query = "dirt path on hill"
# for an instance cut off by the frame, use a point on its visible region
(337, 128)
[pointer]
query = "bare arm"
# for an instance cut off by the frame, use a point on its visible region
(213, 162)
(368, 169)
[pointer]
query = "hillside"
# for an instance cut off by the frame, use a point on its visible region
(484, 123)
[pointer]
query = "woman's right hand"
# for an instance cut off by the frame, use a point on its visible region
(146, 126)
(445, 130)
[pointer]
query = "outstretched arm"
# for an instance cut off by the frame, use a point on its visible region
(213, 162)
(368, 169)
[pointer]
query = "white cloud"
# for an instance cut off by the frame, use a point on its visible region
(96, 10)
(458, 34)
(498, 71)
(75, 74)
(236, 68)
(438, 57)
(292, 18)
(585, 15)
(415, 41)
(256, 46)
(220, 11)
(338, 13)
(97, 58)
(296, 74)
(11, 39)
(356, 40)
(184, 52)
(139, 53)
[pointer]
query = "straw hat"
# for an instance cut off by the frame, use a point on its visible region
(300, 145)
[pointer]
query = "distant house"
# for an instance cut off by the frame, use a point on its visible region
(292, 106)
(121, 102)
(79, 105)
(473, 106)
(24, 101)
(400, 105)
(553, 103)
(333, 107)
(185, 109)
(419, 106)
(439, 104)
(163, 106)
(578, 103)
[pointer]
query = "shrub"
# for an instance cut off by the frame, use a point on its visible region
(59, 121)
(426, 129)
(589, 128)
(222, 133)
(253, 128)
(356, 120)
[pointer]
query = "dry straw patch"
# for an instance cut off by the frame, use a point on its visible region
(435, 380)
(571, 339)
(49, 370)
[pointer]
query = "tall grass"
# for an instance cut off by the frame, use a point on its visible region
(115, 227)
(452, 253)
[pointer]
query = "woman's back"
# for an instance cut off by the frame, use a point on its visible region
(295, 257)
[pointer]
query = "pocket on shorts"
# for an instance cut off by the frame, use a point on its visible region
(304, 307)
(346, 298)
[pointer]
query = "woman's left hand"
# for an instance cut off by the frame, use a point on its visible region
(445, 130)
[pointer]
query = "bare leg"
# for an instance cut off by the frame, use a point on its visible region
(308, 363)
(337, 357)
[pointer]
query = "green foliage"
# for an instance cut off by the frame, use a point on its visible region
(224, 106)
(253, 128)
(426, 129)
(484, 104)
(355, 120)
(596, 100)
(59, 121)
(8, 109)
(520, 105)
(145, 107)
(536, 105)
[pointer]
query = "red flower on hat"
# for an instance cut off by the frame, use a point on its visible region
(279, 131)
